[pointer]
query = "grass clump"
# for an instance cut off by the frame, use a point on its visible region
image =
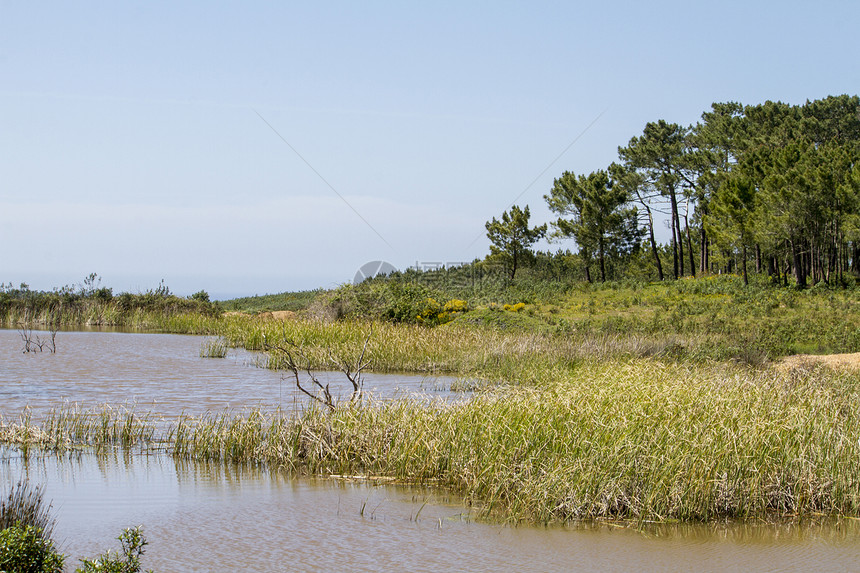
(24, 506)
(622, 440)
(70, 426)
(214, 348)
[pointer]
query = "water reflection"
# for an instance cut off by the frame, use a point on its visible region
(214, 517)
(162, 374)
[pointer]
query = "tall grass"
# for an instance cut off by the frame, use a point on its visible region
(99, 308)
(712, 318)
(628, 439)
(636, 440)
(71, 426)
(213, 348)
(24, 506)
(465, 349)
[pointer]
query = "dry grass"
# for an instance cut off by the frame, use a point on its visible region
(808, 361)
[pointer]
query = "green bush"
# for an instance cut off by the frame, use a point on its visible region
(23, 549)
(132, 541)
(201, 296)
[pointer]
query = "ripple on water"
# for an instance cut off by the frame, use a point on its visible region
(219, 517)
(164, 374)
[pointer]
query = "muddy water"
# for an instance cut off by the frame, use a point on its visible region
(217, 517)
(163, 374)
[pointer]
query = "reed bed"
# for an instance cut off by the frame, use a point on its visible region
(457, 349)
(626, 439)
(636, 440)
(71, 426)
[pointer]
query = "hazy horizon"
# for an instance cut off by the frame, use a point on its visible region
(262, 148)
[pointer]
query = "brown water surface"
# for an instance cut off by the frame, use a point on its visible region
(217, 517)
(163, 374)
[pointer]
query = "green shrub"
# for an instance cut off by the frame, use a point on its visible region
(103, 294)
(132, 541)
(23, 549)
(201, 296)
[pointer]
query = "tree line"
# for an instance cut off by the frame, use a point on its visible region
(772, 185)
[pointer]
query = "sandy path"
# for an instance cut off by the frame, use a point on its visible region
(840, 361)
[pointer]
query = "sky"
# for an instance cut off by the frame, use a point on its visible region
(247, 148)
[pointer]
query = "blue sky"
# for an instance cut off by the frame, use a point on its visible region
(131, 145)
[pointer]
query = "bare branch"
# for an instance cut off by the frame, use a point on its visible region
(294, 367)
(296, 360)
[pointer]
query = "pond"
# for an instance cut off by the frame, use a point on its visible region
(215, 516)
(165, 375)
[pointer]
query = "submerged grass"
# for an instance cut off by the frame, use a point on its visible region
(629, 439)
(214, 348)
(71, 426)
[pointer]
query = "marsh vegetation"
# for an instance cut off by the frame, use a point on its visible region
(628, 439)
(623, 401)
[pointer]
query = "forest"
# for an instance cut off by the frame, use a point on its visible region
(772, 185)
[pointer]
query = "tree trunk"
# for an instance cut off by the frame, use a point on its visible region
(674, 240)
(654, 243)
(601, 254)
(799, 267)
(855, 258)
(689, 240)
(744, 262)
(676, 232)
(813, 263)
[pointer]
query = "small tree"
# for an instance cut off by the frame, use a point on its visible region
(512, 238)
(128, 561)
(730, 220)
(201, 296)
(594, 211)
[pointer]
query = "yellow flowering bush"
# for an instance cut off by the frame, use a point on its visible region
(433, 312)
